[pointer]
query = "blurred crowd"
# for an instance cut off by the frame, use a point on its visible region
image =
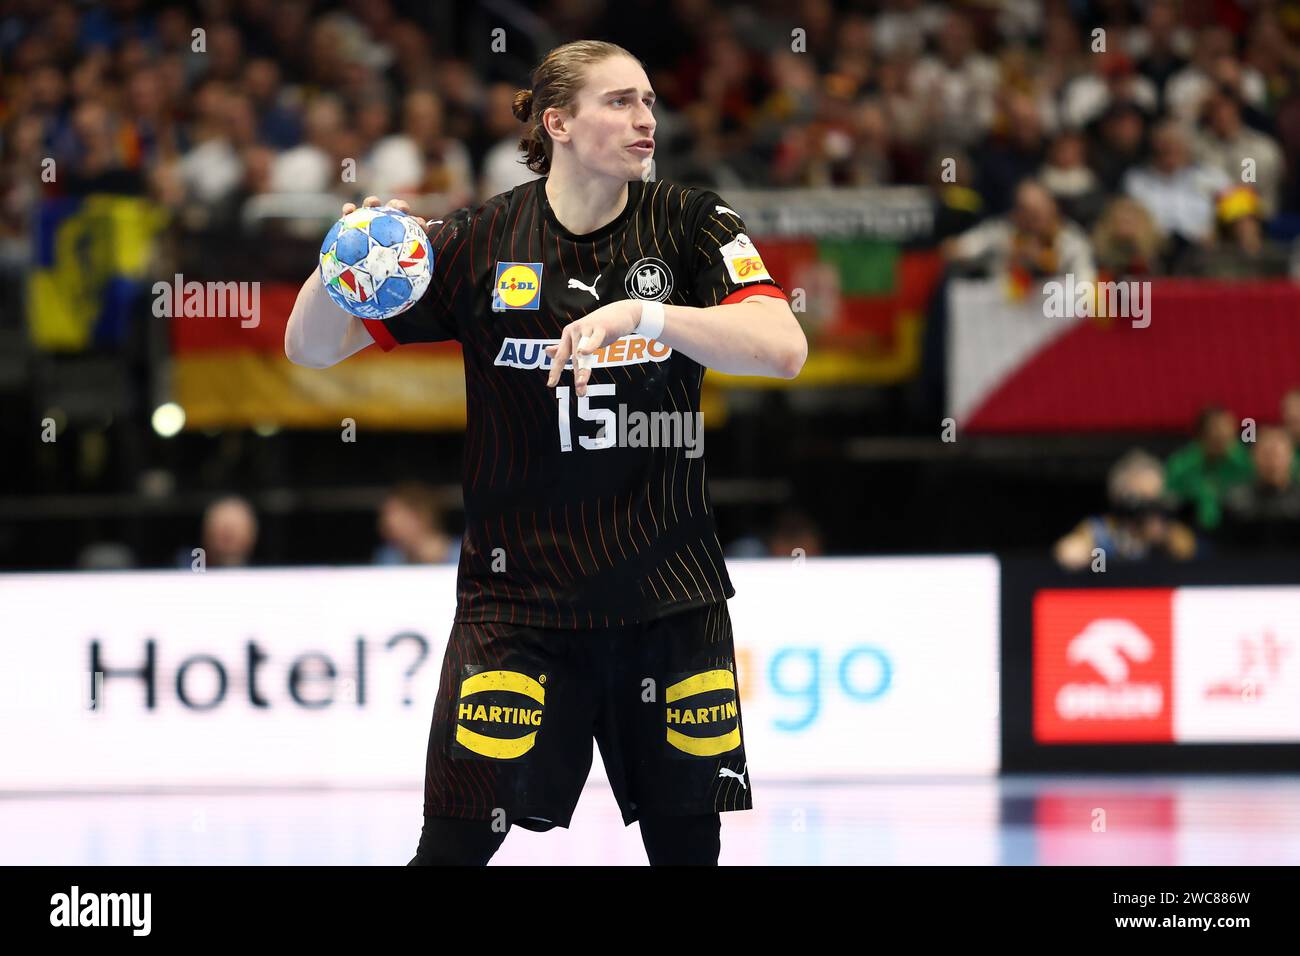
(1073, 132)
(1135, 138)
(410, 528)
(1233, 490)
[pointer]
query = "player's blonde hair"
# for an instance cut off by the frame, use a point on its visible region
(556, 82)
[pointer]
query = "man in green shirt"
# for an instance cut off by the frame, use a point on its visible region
(1203, 471)
(1291, 422)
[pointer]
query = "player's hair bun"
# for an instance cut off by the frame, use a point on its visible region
(523, 107)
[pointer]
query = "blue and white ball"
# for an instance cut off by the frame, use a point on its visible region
(376, 262)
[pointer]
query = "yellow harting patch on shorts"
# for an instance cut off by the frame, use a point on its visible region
(499, 681)
(724, 710)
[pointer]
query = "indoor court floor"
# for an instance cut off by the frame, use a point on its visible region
(981, 821)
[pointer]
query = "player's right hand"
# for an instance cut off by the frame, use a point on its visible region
(398, 204)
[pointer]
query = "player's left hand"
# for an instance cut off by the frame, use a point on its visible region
(582, 337)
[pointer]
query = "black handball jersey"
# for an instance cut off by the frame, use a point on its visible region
(581, 512)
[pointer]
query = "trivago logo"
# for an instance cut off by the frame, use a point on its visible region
(1103, 665)
(796, 685)
(493, 706)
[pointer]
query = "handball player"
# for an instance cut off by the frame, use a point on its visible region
(592, 591)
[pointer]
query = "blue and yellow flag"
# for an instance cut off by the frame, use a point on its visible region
(91, 260)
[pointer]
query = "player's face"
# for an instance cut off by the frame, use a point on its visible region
(613, 130)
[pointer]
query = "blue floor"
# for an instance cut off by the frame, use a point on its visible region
(976, 821)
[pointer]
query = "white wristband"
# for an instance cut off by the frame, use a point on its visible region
(652, 320)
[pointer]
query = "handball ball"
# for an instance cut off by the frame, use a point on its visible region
(376, 262)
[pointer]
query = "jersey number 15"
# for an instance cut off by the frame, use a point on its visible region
(606, 437)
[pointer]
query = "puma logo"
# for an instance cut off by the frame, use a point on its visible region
(579, 284)
(724, 772)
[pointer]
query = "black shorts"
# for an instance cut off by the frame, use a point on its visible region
(518, 707)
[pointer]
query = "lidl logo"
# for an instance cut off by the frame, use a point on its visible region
(493, 706)
(702, 714)
(518, 285)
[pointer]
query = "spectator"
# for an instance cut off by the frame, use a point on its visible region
(957, 208)
(1126, 240)
(852, 150)
(106, 556)
(868, 162)
(211, 170)
(1178, 191)
(229, 535)
(1269, 65)
(411, 526)
(413, 64)
(1112, 79)
(95, 154)
(1201, 473)
(462, 95)
(1118, 144)
(792, 534)
(1138, 525)
(852, 67)
(725, 83)
(1213, 62)
(1291, 422)
(1063, 59)
(1018, 22)
(955, 90)
(793, 101)
(1265, 514)
(420, 159)
(795, 535)
(1013, 154)
(1066, 175)
(503, 168)
(311, 166)
(1163, 44)
(1225, 143)
(146, 122)
(278, 122)
(225, 51)
(906, 26)
(1239, 249)
(258, 163)
(1032, 241)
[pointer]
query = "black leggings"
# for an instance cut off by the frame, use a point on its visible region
(682, 841)
(669, 841)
